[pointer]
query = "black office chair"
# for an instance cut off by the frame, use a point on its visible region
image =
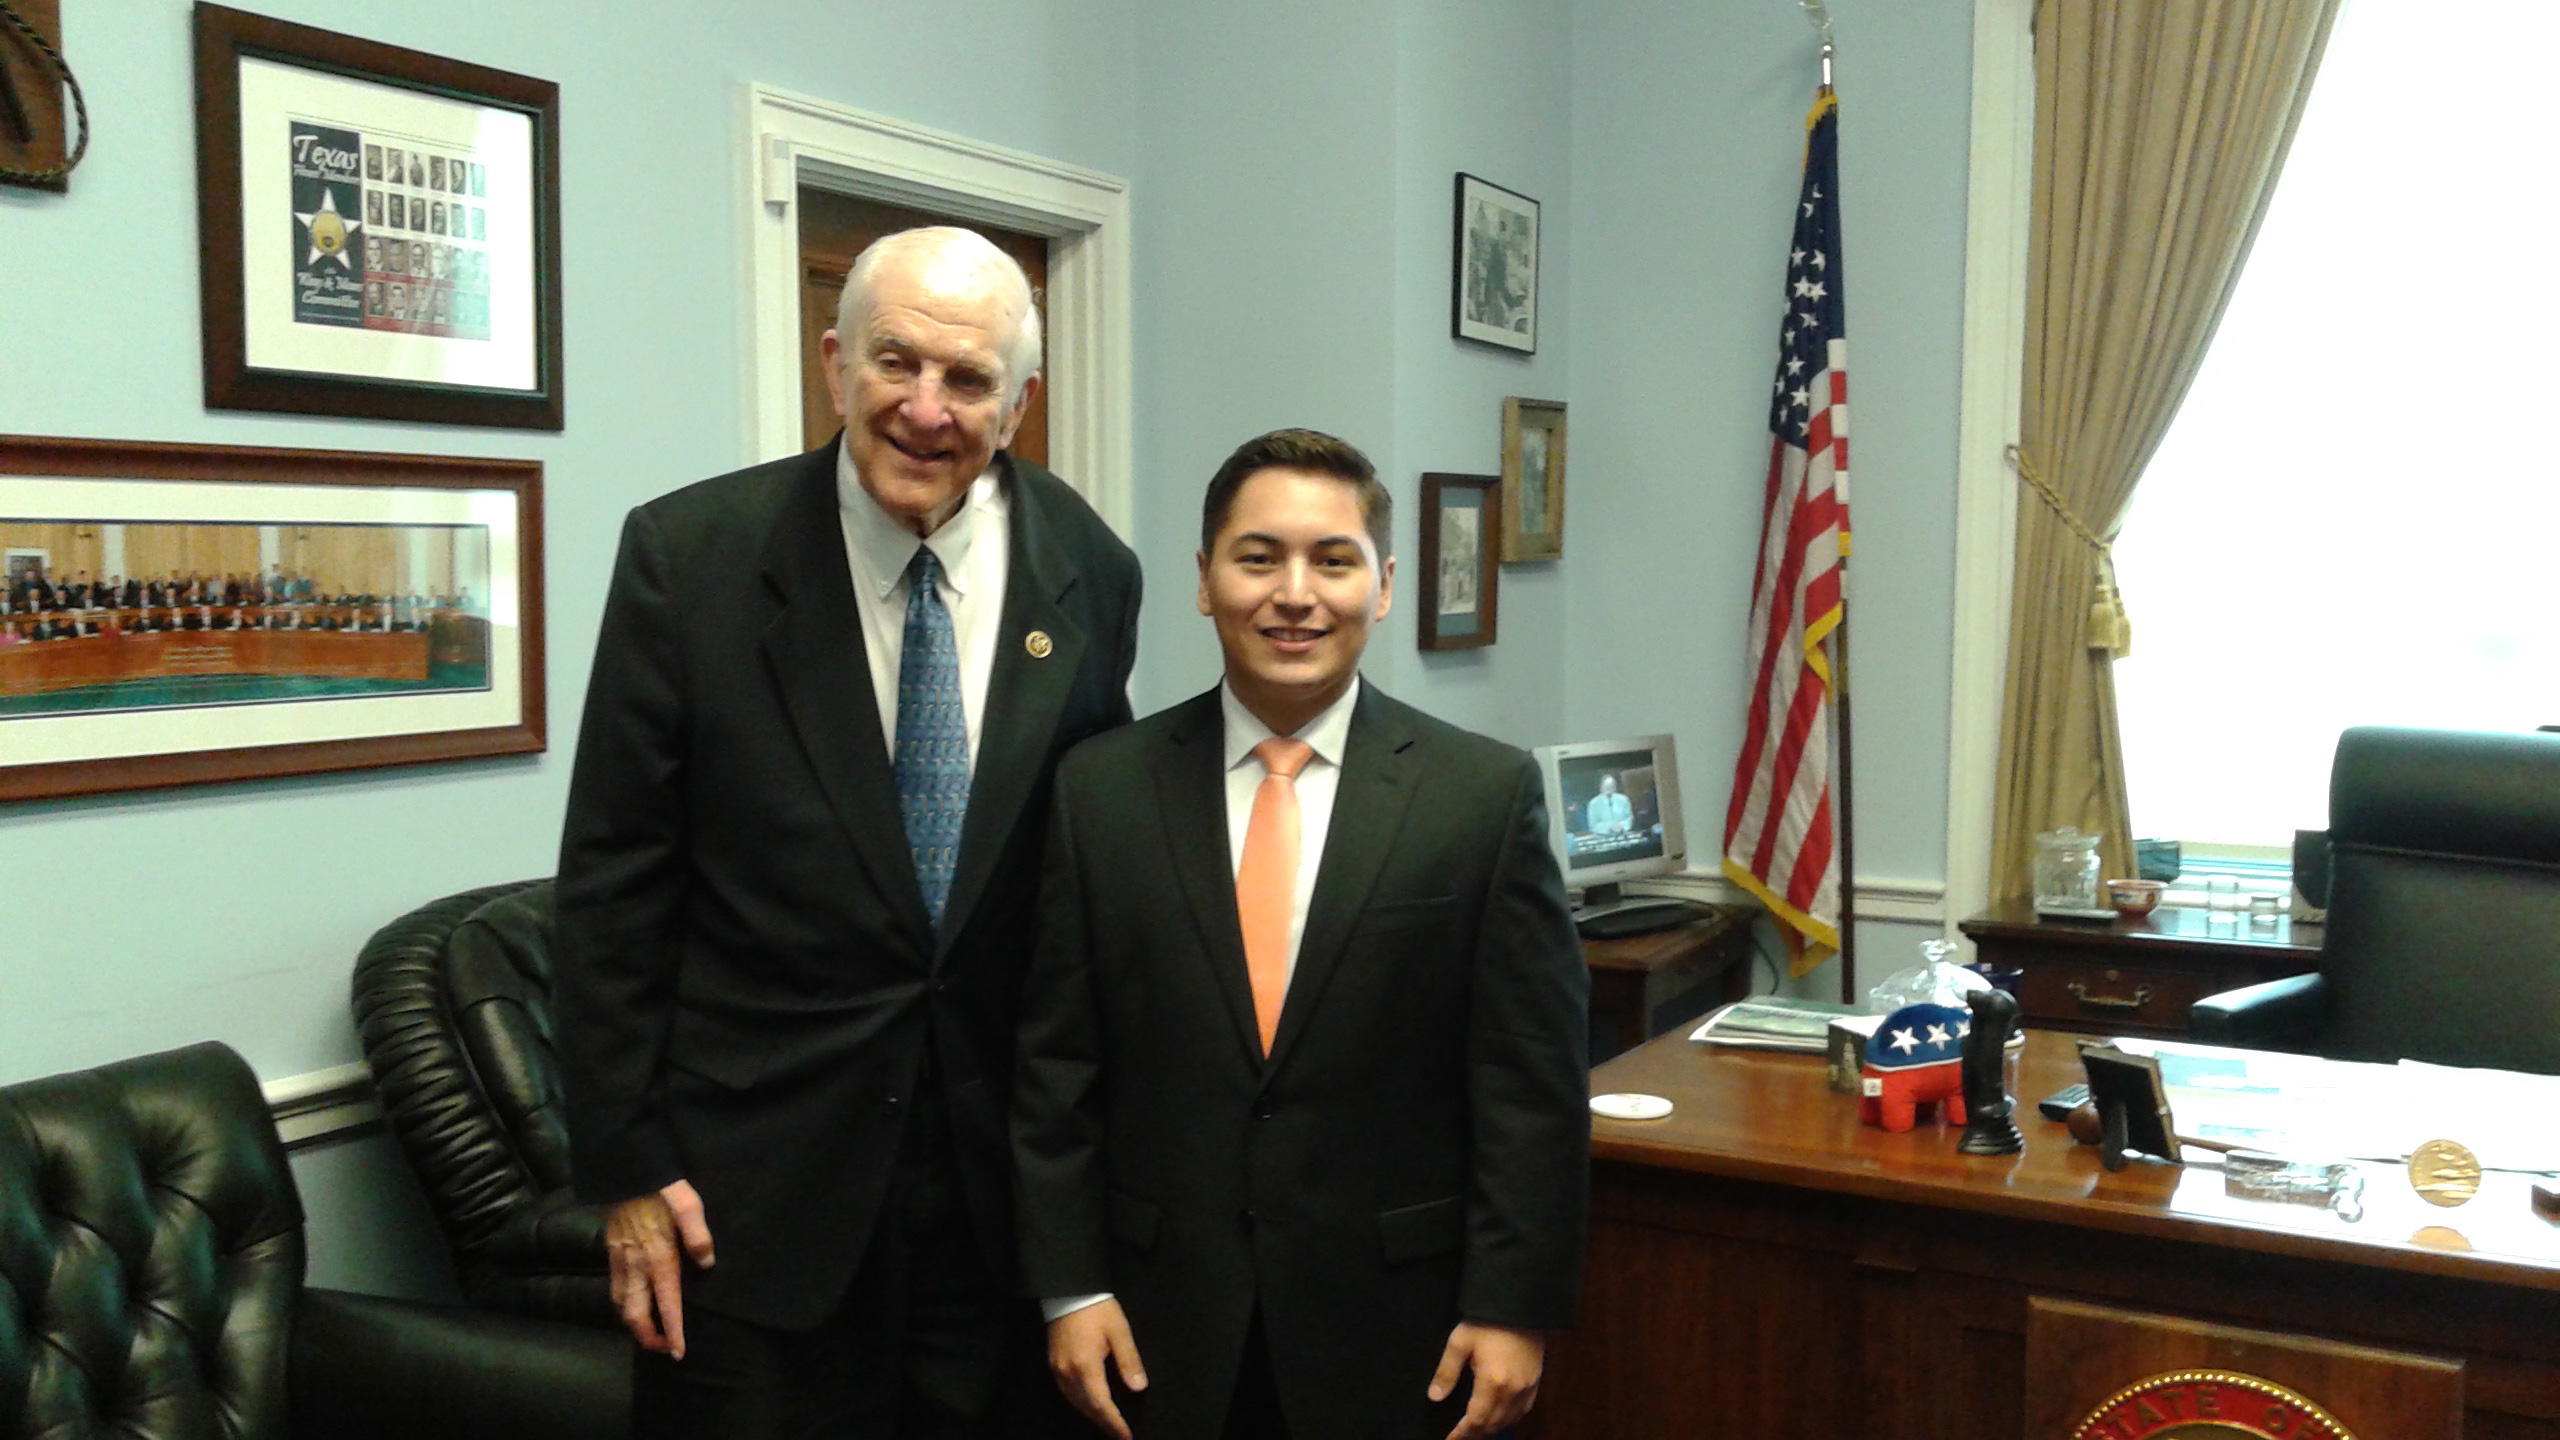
(2443, 935)
(151, 1266)
(453, 1004)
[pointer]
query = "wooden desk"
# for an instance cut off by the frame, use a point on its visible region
(1762, 1265)
(2136, 976)
(1636, 981)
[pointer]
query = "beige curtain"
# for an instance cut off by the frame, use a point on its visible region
(2160, 128)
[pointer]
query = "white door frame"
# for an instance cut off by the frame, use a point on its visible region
(794, 140)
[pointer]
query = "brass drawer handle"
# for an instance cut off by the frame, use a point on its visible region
(2080, 992)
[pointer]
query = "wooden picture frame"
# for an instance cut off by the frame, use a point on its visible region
(1533, 475)
(332, 289)
(35, 125)
(201, 617)
(1461, 571)
(1493, 268)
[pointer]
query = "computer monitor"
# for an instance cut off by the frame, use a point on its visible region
(1613, 814)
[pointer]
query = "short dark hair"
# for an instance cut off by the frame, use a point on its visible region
(1310, 450)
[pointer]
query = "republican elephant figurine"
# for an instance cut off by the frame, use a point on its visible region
(1915, 1058)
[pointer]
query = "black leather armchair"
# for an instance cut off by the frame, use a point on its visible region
(453, 1004)
(151, 1264)
(2443, 936)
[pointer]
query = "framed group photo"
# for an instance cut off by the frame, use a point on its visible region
(176, 614)
(1461, 566)
(380, 228)
(1494, 272)
(1533, 456)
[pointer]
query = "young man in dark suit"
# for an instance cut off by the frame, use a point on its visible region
(1301, 1112)
(796, 880)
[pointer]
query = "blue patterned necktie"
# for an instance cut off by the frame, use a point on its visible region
(933, 734)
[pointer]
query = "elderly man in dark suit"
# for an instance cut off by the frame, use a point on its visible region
(1300, 1114)
(796, 881)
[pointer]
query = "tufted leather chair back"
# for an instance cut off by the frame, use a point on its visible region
(453, 1004)
(150, 1252)
(2443, 937)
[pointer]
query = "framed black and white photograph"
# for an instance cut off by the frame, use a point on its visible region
(175, 614)
(1461, 569)
(1495, 272)
(289, 123)
(1533, 456)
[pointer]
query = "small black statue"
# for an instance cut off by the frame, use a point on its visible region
(1988, 1126)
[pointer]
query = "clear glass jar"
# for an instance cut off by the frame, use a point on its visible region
(2066, 870)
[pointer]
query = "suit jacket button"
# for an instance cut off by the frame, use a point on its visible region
(892, 1106)
(1262, 1114)
(1248, 1214)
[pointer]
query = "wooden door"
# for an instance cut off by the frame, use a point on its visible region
(834, 229)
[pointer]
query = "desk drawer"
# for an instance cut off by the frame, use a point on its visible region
(2134, 999)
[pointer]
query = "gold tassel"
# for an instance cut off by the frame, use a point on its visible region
(2109, 629)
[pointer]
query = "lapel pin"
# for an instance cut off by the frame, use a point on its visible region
(1038, 643)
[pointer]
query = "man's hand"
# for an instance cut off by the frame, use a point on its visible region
(640, 1238)
(1507, 1363)
(1079, 1344)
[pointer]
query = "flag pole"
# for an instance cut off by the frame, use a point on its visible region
(1840, 802)
(1818, 15)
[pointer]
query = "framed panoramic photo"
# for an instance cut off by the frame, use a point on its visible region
(1494, 275)
(1533, 456)
(1461, 575)
(380, 228)
(174, 614)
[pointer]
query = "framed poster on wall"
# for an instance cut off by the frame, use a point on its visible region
(175, 614)
(380, 227)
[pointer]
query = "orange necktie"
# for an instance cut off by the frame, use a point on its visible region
(1267, 881)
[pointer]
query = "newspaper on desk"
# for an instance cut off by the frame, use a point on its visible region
(2304, 1107)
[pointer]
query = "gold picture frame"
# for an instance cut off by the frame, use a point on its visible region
(1533, 475)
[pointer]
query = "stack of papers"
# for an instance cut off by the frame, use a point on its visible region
(2304, 1107)
(1772, 1022)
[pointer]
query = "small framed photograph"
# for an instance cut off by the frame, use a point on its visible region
(178, 614)
(1494, 275)
(1461, 571)
(288, 121)
(1533, 455)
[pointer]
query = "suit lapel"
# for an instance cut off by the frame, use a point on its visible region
(1369, 803)
(814, 646)
(1191, 792)
(1027, 688)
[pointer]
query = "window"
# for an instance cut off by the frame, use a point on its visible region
(2350, 520)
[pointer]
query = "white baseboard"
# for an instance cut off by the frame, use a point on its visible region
(1916, 902)
(323, 1105)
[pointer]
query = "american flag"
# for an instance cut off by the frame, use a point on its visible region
(1779, 840)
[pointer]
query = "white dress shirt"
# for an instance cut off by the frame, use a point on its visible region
(975, 549)
(1318, 782)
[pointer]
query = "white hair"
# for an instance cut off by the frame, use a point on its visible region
(949, 245)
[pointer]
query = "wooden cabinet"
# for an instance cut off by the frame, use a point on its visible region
(1646, 984)
(2135, 976)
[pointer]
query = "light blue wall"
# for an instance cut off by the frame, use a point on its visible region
(1264, 234)
(1687, 142)
(1291, 176)
(234, 912)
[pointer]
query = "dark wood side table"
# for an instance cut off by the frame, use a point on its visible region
(2134, 976)
(1635, 981)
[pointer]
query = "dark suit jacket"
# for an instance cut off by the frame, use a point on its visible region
(1416, 1148)
(747, 977)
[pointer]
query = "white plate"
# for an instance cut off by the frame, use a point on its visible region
(1630, 1107)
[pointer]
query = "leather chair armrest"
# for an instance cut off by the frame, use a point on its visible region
(553, 1236)
(2254, 1014)
(365, 1366)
